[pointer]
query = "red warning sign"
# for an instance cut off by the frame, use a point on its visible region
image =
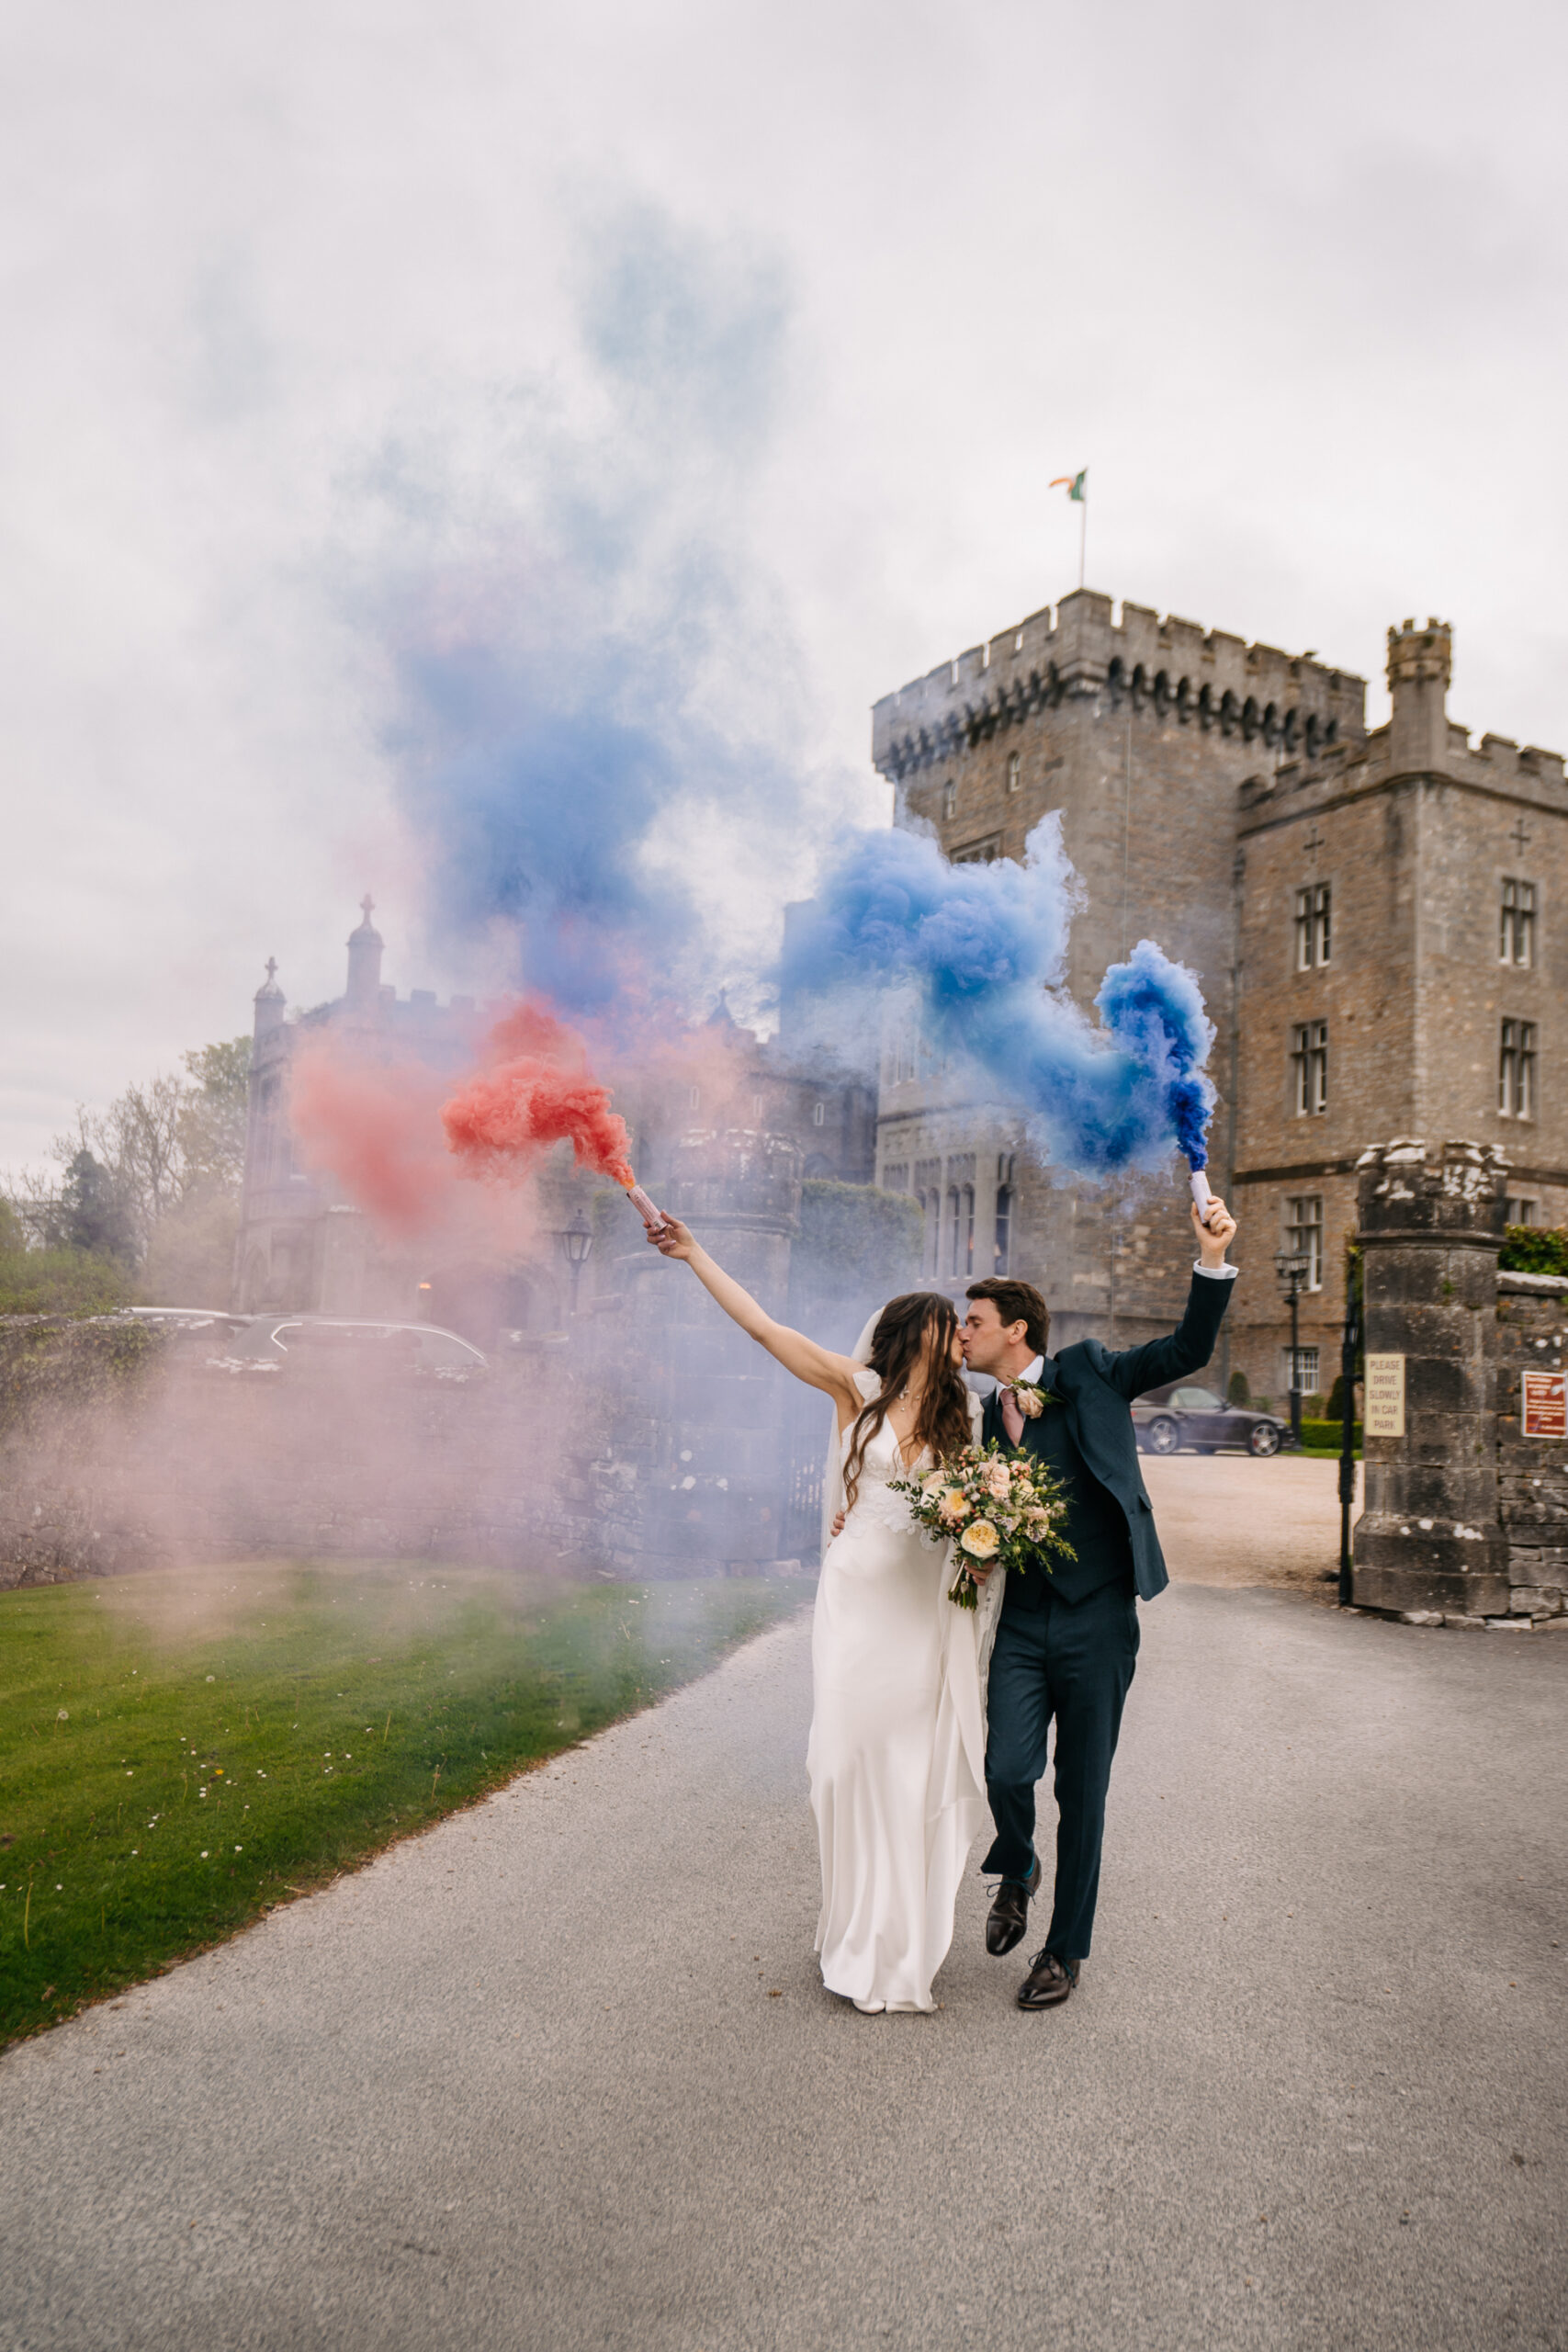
(1543, 1404)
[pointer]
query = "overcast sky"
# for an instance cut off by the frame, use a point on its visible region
(1289, 282)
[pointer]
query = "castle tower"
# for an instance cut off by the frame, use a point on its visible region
(364, 992)
(268, 1001)
(1420, 664)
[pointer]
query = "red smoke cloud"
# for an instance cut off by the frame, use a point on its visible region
(537, 1091)
(376, 1126)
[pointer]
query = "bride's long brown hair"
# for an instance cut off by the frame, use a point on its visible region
(896, 1345)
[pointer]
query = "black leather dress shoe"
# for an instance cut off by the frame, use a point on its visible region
(1009, 1912)
(1050, 1980)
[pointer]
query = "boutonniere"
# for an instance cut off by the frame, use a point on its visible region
(1031, 1398)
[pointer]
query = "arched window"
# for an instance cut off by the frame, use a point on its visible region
(696, 1097)
(1014, 763)
(968, 1268)
(1004, 1229)
(953, 1229)
(818, 1114)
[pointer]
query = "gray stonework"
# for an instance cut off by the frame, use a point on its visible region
(1430, 1227)
(1203, 785)
(1532, 1472)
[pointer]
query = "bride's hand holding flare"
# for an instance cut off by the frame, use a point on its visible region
(673, 1239)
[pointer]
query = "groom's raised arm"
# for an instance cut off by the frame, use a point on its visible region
(1135, 1370)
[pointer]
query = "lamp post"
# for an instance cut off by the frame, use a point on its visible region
(1349, 1344)
(577, 1248)
(1292, 1269)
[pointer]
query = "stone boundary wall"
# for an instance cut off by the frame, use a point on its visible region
(1532, 1472)
(117, 1457)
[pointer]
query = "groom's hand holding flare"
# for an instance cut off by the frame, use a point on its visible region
(1215, 1236)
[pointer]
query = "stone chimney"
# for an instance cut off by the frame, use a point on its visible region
(364, 964)
(268, 1001)
(1420, 662)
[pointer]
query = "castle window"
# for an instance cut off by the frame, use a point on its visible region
(757, 1106)
(1001, 1244)
(984, 853)
(1304, 1234)
(818, 1114)
(954, 1241)
(1314, 926)
(1301, 1371)
(1520, 1210)
(949, 799)
(1014, 764)
(967, 1212)
(1516, 1071)
(696, 1097)
(1516, 923)
(895, 1176)
(1309, 1067)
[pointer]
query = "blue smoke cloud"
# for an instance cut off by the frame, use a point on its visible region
(985, 947)
(576, 635)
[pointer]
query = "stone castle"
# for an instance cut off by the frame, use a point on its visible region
(1373, 915)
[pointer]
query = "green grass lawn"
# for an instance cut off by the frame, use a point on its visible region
(180, 1751)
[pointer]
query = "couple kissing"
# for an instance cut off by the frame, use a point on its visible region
(931, 1723)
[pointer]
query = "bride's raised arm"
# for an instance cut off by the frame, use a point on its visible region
(819, 1367)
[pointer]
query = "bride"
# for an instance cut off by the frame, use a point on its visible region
(895, 1756)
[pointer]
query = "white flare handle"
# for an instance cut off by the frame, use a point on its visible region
(654, 1218)
(1198, 1183)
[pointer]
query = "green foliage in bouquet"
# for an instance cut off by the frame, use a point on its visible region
(997, 1505)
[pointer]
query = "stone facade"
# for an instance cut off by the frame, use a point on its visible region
(1532, 1472)
(304, 1247)
(1340, 894)
(1430, 1538)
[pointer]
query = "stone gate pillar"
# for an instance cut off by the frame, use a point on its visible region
(1430, 1228)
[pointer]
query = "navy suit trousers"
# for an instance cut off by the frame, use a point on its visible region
(1074, 1666)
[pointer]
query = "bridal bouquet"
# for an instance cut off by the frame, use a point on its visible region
(996, 1505)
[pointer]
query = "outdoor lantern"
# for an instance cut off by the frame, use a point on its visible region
(577, 1245)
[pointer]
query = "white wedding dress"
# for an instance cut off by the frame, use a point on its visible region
(897, 1754)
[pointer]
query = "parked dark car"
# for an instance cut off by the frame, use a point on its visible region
(1167, 1419)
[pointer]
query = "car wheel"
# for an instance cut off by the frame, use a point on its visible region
(1263, 1439)
(1164, 1437)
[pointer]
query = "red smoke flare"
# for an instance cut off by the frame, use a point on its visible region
(539, 1092)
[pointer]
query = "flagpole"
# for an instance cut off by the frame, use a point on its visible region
(1083, 534)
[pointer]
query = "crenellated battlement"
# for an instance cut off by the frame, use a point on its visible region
(1173, 668)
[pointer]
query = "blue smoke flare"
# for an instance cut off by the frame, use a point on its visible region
(984, 946)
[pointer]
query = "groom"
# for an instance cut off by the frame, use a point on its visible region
(1067, 1638)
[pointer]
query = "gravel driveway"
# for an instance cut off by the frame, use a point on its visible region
(560, 2074)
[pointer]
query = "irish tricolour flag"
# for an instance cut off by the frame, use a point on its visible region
(1073, 484)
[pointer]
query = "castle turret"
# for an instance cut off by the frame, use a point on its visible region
(1420, 662)
(268, 1001)
(364, 963)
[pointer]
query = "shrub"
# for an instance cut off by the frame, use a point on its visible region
(1238, 1393)
(858, 1246)
(61, 1281)
(1534, 1250)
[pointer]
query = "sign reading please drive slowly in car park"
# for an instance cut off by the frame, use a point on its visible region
(1385, 1396)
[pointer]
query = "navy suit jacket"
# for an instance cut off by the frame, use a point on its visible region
(1097, 1386)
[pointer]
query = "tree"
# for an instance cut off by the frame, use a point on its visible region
(92, 1212)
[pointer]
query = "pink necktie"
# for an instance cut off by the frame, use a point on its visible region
(1012, 1416)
